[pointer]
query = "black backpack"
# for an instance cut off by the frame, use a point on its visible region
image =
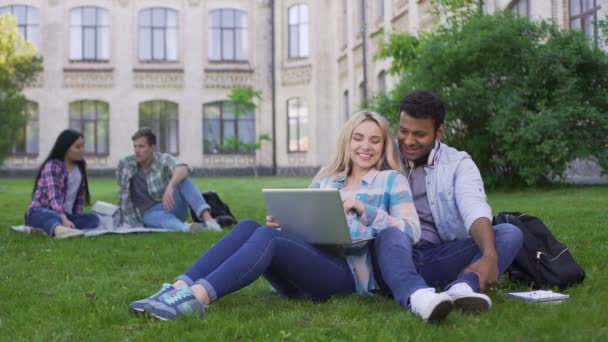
(543, 260)
(220, 211)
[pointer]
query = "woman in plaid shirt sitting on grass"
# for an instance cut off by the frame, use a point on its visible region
(375, 196)
(61, 189)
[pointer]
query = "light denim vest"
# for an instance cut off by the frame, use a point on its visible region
(455, 192)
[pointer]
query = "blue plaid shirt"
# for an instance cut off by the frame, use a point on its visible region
(388, 203)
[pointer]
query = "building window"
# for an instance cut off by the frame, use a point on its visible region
(89, 34)
(161, 116)
(228, 40)
(298, 31)
(382, 82)
(346, 105)
(27, 141)
(380, 10)
(224, 132)
(92, 119)
(158, 35)
(28, 22)
(583, 17)
(521, 7)
(362, 92)
(297, 125)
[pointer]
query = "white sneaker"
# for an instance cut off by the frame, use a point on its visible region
(467, 300)
(195, 227)
(429, 305)
(63, 232)
(212, 225)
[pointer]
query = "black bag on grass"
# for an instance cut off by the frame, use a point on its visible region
(220, 211)
(543, 260)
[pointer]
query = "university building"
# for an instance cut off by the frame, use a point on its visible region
(112, 66)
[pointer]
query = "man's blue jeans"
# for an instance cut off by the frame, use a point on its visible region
(47, 219)
(295, 268)
(185, 195)
(403, 268)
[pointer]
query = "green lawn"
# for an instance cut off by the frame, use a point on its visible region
(79, 289)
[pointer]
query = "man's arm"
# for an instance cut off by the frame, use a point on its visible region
(121, 196)
(486, 267)
(477, 216)
(179, 174)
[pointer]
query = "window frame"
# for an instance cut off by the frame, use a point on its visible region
(300, 102)
(162, 118)
(97, 28)
(152, 28)
(222, 122)
(32, 124)
(381, 82)
(96, 121)
(24, 26)
(226, 30)
(298, 26)
(582, 16)
(515, 8)
(346, 103)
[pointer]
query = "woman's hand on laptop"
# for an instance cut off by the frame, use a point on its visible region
(354, 205)
(271, 222)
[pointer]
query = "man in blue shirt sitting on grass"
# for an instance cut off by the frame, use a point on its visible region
(459, 249)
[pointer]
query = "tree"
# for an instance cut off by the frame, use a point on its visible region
(523, 98)
(19, 65)
(242, 100)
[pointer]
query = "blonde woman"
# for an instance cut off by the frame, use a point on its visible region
(375, 196)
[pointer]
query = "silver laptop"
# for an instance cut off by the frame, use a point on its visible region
(316, 215)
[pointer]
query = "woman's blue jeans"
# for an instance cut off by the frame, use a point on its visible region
(185, 195)
(47, 219)
(295, 268)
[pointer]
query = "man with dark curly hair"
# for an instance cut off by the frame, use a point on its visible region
(459, 249)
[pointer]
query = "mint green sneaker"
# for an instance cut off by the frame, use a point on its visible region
(175, 304)
(139, 306)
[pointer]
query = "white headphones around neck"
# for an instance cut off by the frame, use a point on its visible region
(432, 155)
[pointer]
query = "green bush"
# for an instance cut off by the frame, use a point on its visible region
(523, 97)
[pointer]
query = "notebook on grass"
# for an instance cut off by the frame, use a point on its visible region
(539, 296)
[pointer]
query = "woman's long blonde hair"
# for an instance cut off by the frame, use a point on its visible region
(341, 164)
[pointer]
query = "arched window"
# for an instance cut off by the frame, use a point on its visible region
(92, 118)
(297, 125)
(27, 141)
(228, 35)
(298, 31)
(224, 132)
(382, 82)
(162, 117)
(89, 34)
(345, 104)
(28, 22)
(158, 35)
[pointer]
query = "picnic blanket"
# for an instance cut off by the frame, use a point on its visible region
(108, 223)
(96, 231)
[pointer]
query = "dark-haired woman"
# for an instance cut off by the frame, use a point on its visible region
(61, 189)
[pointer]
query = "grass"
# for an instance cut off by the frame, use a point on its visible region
(79, 289)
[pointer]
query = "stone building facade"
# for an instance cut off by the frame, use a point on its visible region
(111, 66)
